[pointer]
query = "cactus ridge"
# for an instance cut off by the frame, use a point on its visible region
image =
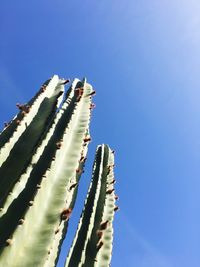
(73, 136)
(98, 210)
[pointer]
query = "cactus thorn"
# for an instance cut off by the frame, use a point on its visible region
(9, 242)
(104, 225)
(21, 221)
(116, 197)
(99, 245)
(57, 230)
(99, 234)
(113, 181)
(78, 171)
(65, 214)
(65, 81)
(82, 159)
(58, 145)
(116, 208)
(87, 139)
(92, 105)
(42, 89)
(73, 186)
(30, 203)
(110, 191)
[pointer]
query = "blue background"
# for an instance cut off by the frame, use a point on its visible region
(143, 59)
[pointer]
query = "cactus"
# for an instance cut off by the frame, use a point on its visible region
(92, 244)
(42, 155)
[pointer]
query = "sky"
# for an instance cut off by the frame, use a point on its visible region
(143, 59)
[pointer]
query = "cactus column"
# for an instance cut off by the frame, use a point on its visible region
(92, 245)
(42, 155)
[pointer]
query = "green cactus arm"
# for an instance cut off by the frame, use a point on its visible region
(18, 207)
(99, 208)
(18, 125)
(20, 155)
(20, 185)
(33, 239)
(104, 254)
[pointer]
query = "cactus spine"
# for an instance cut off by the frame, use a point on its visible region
(42, 154)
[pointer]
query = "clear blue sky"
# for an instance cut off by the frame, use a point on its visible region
(143, 59)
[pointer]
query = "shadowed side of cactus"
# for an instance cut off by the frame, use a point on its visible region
(41, 163)
(92, 245)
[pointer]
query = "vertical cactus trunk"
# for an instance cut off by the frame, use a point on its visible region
(92, 245)
(41, 163)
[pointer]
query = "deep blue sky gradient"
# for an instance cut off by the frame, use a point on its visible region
(143, 59)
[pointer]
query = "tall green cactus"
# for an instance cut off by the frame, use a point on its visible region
(42, 155)
(92, 244)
